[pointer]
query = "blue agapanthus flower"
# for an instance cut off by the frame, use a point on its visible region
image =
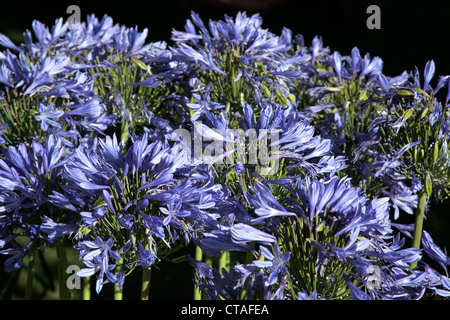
(96, 255)
(30, 178)
(283, 164)
(146, 191)
(341, 227)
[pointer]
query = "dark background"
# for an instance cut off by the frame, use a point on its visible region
(411, 34)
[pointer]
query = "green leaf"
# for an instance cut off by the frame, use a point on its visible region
(424, 113)
(363, 95)
(405, 93)
(408, 114)
(435, 151)
(428, 184)
(423, 92)
(281, 97)
(321, 227)
(140, 64)
(265, 90)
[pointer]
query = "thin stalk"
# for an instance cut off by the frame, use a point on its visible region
(124, 135)
(224, 262)
(248, 260)
(146, 276)
(209, 261)
(64, 293)
(418, 224)
(87, 288)
(30, 272)
(118, 293)
(198, 257)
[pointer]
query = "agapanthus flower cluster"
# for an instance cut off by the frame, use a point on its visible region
(285, 165)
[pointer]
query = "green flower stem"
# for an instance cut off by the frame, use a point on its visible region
(418, 224)
(87, 288)
(118, 293)
(146, 276)
(209, 261)
(125, 134)
(198, 257)
(224, 262)
(30, 272)
(64, 293)
(248, 259)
